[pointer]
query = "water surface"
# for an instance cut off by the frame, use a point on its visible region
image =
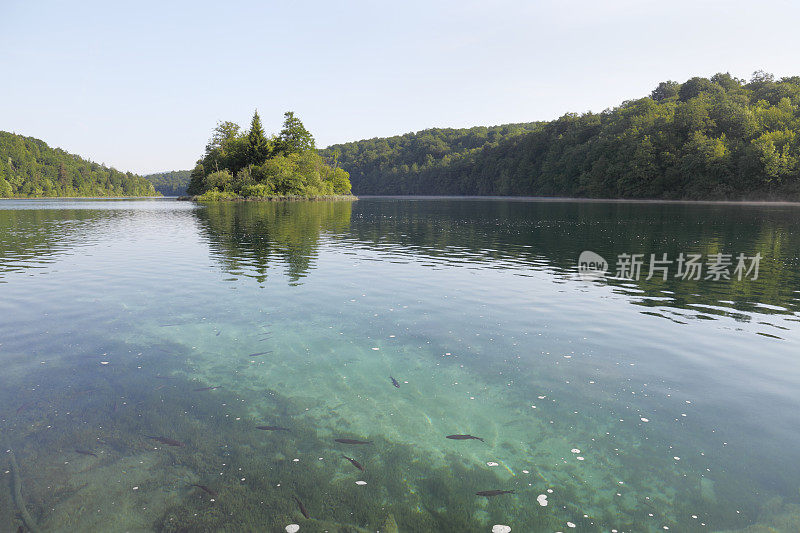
(628, 405)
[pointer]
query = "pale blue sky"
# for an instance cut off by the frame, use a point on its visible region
(140, 86)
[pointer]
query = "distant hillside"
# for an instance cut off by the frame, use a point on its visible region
(706, 138)
(31, 169)
(172, 183)
(393, 165)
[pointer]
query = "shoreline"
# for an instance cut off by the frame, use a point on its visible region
(777, 203)
(88, 198)
(290, 198)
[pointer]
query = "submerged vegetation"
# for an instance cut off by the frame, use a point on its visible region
(706, 138)
(251, 165)
(29, 168)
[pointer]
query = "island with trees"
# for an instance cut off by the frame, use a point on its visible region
(248, 165)
(717, 138)
(29, 168)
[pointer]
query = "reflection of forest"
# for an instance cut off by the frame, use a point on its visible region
(523, 235)
(38, 235)
(552, 234)
(247, 237)
(547, 235)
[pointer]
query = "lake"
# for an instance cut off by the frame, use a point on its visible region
(605, 403)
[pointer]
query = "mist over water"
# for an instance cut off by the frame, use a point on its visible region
(628, 405)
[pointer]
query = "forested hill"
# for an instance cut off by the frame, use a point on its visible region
(31, 169)
(707, 138)
(172, 183)
(395, 165)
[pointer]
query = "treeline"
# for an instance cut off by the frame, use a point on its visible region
(31, 169)
(248, 164)
(172, 183)
(389, 165)
(706, 138)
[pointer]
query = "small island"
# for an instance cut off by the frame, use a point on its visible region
(240, 165)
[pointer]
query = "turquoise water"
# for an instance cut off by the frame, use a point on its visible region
(627, 405)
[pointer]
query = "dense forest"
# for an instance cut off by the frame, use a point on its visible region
(706, 138)
(171, 183)
(383, 165)
(31, 169)
(248, 164)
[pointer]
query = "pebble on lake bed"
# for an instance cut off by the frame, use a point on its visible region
(542, 499)
(492, 463)
(361, 482)
(500, 528)
(292, 528)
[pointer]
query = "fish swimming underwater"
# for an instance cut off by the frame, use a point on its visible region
(464, 437)
(272, 428)
(86, 452)
(394, 382)
(353, 441)
(208, 388)
(168, 442)
(355, 463)
(209, 491)
(302, 507)
(490, 493)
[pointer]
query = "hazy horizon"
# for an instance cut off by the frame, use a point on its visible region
(140, 88)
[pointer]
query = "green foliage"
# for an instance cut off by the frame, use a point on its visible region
(294, 138)
(258, 147)
(708, 138)
(29, 168)
(173, 183)
(248, 165)
(390, 165)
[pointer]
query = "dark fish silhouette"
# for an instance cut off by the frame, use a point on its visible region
(302, 507)
(353, 441)
(355, 463)
(490, 493)
(394, 382)
(464, 437)
(24, 406)
(259, 353)
(272, 428)
(211, 492)
(86, 452)
(217, 335)
(168, 442)
(208, 388)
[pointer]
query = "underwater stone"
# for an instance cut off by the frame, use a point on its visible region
(292, 528)
(499, 528)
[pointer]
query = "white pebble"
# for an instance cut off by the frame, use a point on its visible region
(643, 419)
(361, 482)
(575, 450)
(570, 524)
(499, 528)
(492, 463)
(542, 499)
(292, 528)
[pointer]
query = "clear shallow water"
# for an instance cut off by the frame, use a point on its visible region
(632, 406)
